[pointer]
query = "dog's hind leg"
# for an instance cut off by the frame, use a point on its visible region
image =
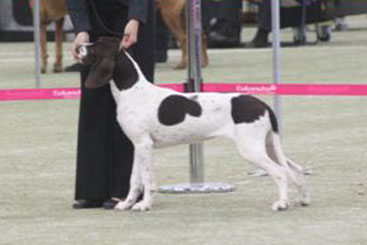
(294, 170)
(304, 194)
(253, 150)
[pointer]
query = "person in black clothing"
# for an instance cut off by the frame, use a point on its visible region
(290, 16)
(104, 153)
(162, 40)
(226, 30)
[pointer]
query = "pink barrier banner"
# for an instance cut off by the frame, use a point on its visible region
(174, 86)
(289, 89)
(39, 94)
(249, 88)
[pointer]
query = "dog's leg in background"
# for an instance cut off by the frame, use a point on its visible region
(177, 28)
(183, 63)
(43, 39)
(58, 44)
(204, 48)
(173, 14)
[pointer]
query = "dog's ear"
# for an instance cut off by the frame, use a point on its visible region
(100, 73)
(102, 56)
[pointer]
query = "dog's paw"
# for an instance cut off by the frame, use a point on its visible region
(141, 207)
(305, 201)
(123, 205)
(180, 66)
(280, 205)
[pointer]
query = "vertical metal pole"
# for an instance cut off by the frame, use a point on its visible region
(193, 13)
(196, 185)
(275, 14)
(36, 38)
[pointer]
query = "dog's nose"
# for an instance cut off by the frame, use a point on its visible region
(82, 52)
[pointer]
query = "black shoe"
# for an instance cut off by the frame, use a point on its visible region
(80, 204)
(74, 67)
(260, 40)
(111, 203)
(219, 40)
(224, 33)
(257, 44)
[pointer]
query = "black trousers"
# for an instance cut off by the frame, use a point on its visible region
(104, 153)
(230, 11)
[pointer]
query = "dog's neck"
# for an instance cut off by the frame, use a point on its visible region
(127, 73)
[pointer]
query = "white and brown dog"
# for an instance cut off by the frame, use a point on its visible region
(156, 117)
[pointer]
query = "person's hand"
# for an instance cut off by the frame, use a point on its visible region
(130, 34)
(81, 37)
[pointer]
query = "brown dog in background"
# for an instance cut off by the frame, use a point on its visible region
(173, 14)
(52, 11)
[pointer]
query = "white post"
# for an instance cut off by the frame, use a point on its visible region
(36, 38)
(275, 14)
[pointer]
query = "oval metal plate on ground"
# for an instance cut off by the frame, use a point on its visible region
(210, 187)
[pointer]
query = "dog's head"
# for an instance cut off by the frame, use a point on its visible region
(101, 57)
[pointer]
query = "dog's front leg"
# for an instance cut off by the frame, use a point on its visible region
(135, 188)
(141, 178)
(143, 153)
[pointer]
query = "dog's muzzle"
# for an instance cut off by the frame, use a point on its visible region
(82, 53)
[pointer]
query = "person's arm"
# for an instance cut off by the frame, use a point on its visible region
(138, 10)
(138, 13)
(78, 13)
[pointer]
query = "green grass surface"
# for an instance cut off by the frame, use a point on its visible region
(327, 134)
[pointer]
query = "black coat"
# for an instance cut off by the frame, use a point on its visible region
(79, 10)
(104, 153)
